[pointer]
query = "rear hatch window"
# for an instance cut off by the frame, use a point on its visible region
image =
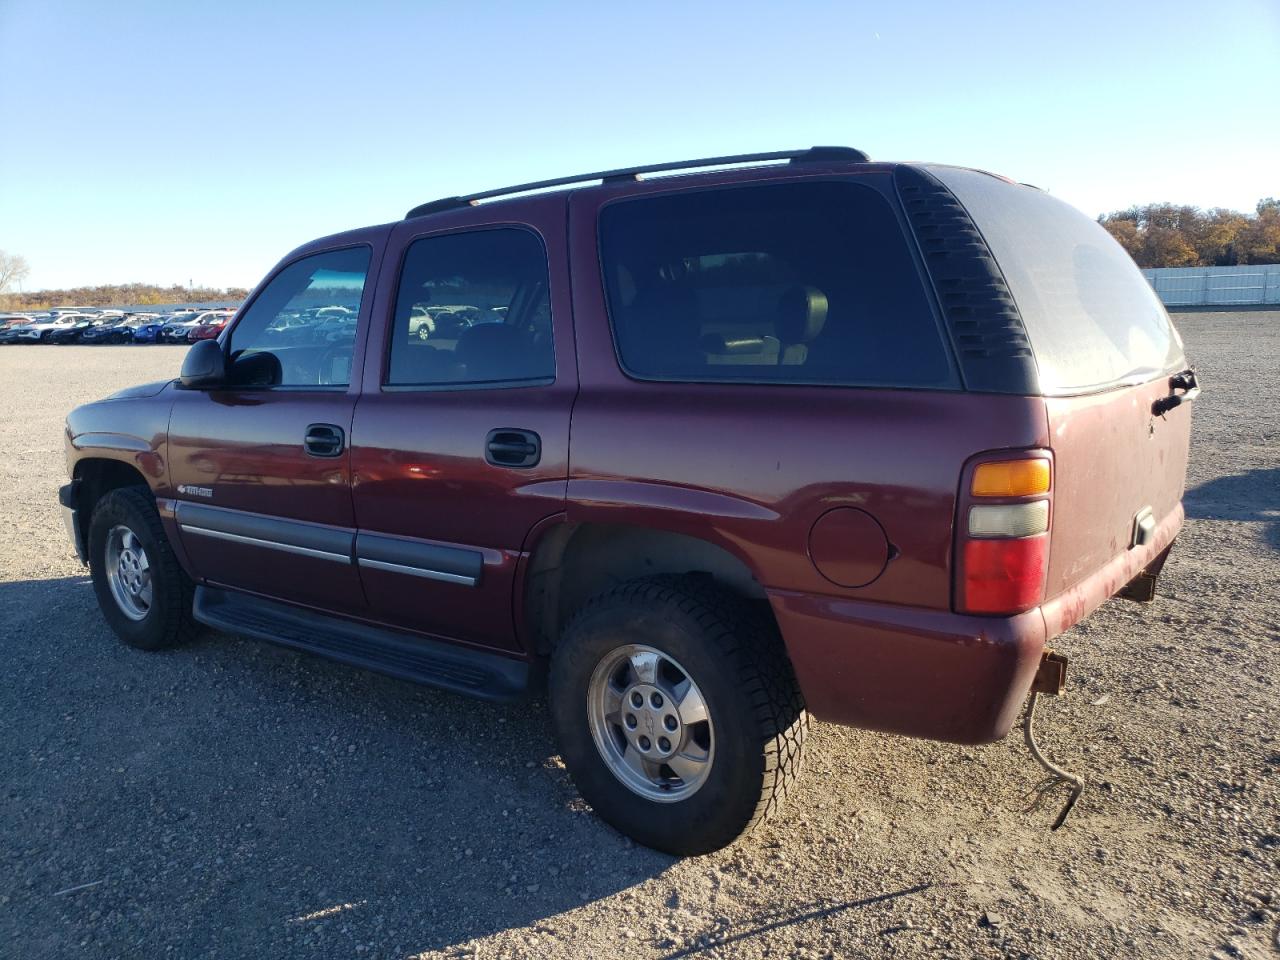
(1093, 320)
(805, 282)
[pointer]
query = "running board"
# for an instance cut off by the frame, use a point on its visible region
(434, 663)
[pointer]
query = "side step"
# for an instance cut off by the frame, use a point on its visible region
(434, 663)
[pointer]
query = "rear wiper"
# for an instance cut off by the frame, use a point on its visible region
(1184, 381)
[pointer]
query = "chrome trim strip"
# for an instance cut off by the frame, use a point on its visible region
(269, 544)
(417, 572)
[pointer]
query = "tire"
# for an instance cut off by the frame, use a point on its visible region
(165, 619)
(756, 724)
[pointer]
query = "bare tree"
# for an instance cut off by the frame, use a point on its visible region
(13, 270)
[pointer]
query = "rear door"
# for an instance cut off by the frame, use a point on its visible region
(1106, 354)
(461, 437)
(261, 467)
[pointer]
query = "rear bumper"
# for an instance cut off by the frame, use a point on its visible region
(932, 673)
(923, 673)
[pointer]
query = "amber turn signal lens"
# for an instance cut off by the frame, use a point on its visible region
(1011, 478)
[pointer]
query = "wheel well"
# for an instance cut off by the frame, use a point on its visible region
(575, 561)
(98, 478)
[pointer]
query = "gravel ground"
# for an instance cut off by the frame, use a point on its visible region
(234, 800)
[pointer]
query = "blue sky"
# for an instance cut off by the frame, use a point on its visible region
(169, 141)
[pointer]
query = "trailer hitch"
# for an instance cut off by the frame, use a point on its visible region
(1050, 678)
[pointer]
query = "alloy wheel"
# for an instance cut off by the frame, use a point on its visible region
(650, 723)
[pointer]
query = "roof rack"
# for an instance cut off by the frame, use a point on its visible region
(812, 155)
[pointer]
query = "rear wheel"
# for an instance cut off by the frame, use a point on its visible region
(677, 713)
(143, 592)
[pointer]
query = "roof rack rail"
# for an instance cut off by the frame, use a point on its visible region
(811, 155)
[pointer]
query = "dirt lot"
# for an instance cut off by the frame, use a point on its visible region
(234, 800)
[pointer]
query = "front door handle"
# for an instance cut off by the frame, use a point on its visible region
(506, 447)
(324, 440)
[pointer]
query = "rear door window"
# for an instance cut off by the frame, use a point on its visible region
(1092, 318)
(807, 282)
(473, 309)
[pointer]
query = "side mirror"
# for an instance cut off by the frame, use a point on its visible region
(204, 366)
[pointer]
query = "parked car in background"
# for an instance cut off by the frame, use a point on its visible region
(179, 329)
(176, 328)
(289, 328)
(209, 326)
(147, 331)
(11, 324)
(42, 331)
(446, 322)
(73, 331)
(112, 330)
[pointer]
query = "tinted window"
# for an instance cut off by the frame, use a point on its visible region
(286, 337)
(1091, 317)
(473, 308)
(793, 283)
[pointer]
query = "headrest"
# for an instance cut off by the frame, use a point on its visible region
(802, 312)
(492, 351)
(483, 337)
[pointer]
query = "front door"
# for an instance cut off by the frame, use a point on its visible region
(261, 468)
(460, 441)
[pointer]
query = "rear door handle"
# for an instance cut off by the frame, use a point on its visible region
(507, 447)
(324, 440)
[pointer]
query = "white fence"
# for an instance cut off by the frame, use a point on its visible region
(1216, 286)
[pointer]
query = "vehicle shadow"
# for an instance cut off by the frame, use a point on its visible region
(235, 798)
(729, 935)
(1253, 495)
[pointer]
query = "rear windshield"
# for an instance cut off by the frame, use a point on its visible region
(787, 283)
(1092, 319)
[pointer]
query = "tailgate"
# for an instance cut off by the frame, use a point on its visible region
(1104, 353)
(1113, 459)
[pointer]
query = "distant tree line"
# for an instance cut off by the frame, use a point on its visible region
(1167, 235)
(115, 294)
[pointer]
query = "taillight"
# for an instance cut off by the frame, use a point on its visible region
(1002, 535)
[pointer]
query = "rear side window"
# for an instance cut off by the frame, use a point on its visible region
(1092, 319)
(787, 283)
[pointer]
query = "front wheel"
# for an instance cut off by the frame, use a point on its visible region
(677, 712)
(142, 591)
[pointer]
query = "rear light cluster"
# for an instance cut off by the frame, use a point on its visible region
(1003, 535)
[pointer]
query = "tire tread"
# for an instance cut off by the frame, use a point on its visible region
(753, 649)
(179, 625)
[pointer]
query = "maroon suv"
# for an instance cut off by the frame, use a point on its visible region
(712, 450)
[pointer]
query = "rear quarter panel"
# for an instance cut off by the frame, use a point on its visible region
(752, 467)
